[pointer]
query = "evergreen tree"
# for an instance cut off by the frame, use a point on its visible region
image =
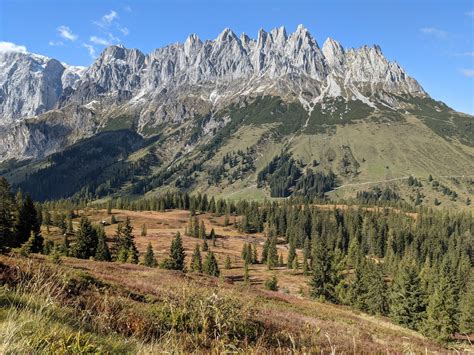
(149, 259)
(86, 240)
(254, 254)
(177, 254)
(205, 246)
(144, 230)
(196, 261)
(210, 266)
(322, 281)
(466, 324)
(441, 313)
(212, 236)
(291, 254)
(202, 231)
(272, 283)
(407, 301)
(296, 264)
(102, 252)
(306, 255)
(272, 258)
(27, 222)
(7, 209)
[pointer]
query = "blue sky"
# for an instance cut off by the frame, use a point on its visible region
(432, 39)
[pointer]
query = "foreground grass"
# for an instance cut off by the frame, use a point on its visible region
(84, 306)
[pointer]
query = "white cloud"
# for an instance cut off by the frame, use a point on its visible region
(107, 19)
(11, 47)
(470, 13)
(91, 49)
(436, 32)
(467, 72)
(468, 54)
(66, 33)
(100, 41)
(124, 31)
(55, 43)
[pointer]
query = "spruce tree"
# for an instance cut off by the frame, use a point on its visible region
(205, 246)
(177, 254)
(196, 261)
(322, 281)
(86, 240)
(441, 314)
(7, 209)
(272, 258)
(210, 266)
(407, 301)
(212, 236)
(149, 258)
(254, 254)
(202, 230)
(27, 222)
(144, 230)
(102, 252)
(291, 255)
(466, 307)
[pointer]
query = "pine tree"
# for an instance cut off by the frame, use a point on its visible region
(407, 301)
(27, 222)
(202, 231)
(102, 252)
(272, 283)
(466, 307)
(7, 209)
(177, 254)
(210, 266)
(212, 236)
(127, 243)
(205, 246)
(291, 255)
(306, 255)
(144, 230)
(196, 261)
(254, 254)
(272, 258)
(296, 264)
(33, 245)
(86, 240)
(441, 313)
(322, 281)
(149, 259)
(70, 228)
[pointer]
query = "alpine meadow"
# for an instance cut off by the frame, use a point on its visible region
(242, 194)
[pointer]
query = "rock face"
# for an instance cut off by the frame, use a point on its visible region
(31, 84)
(182, 80)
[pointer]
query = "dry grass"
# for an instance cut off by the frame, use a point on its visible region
(123, 306)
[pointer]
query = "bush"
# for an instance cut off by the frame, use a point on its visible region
(272, 284)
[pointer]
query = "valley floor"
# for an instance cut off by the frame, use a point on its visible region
(75, 305)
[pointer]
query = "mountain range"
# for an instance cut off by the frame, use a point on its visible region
(210, 115)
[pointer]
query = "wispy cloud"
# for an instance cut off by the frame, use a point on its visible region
(90, 49)
(66, 33)
(469, 13)
(435, 32)
(467, 72)
(107, 19)
(11, 47)
(127, 8)
(100, 41)
(124, 31)
(467, 54)
(56, 43)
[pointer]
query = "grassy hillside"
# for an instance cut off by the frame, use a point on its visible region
(86, 306)
(363, 147)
